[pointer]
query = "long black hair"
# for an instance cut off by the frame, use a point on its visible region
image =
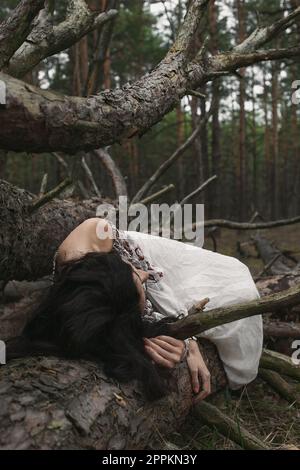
(92, 311)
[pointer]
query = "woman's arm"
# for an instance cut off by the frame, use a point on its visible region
(167, 352)
(200, 375)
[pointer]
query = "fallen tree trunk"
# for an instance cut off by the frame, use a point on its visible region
(272, 257)
(282, 387)
(282, 329)
(28, 240)
(55, 403)
(50, 403)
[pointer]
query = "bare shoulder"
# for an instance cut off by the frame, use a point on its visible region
(85, 238)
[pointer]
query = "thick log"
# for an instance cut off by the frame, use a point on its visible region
(59, 122)
(286, 390)
(28, 240)
(272, 256)
(56, 122)
(16, 290)
(55, 403)
(15, 315)
(272, 284)
(50, 403)
(280, 363)
(282, 329)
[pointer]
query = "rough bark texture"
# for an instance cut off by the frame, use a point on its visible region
(113, 171)
(56, 122)
(28, 240)
(269, 252)
(16, 28)
(50, 403)
(47, 38)
(198, 322)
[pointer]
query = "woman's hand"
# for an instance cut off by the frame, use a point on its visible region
(164, 350)
(199, 373)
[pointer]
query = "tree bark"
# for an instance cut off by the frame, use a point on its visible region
(241, 163)
(50, 403)
(16, 28)
(279, 329)
(267, 252)
(56, 122)
(214, 198)
(28, 240)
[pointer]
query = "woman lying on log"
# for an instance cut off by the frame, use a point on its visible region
(112, 293)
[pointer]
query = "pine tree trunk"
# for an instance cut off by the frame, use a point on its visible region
(241, 170)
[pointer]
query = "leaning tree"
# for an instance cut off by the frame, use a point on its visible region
(51, 403)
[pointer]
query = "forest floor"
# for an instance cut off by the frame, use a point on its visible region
(255, 407)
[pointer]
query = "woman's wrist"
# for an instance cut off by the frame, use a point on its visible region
(193, 343)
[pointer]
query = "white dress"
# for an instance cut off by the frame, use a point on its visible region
(190, 274)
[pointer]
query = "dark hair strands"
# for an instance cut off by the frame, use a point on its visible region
(92, 311)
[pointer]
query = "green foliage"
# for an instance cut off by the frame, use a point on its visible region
(137, 44)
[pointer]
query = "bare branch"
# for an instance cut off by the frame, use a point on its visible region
(44, 183)
(279, 363)
(248, 226)
(198, 190)
(199, 322)
(214, 418)
(172, 159)
(45, 198)
(90, 176)
(185, 39)
(231, 61)
(16, 28)
(263, 35)
(158, 194)
(249, 53)
(114, 172)
(47, 39)
(286, 390)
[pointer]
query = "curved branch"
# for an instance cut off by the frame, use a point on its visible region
(46, 39)
(262, 36)
(16, 28)
(71, 124)
(114, 172)
(55, 122)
